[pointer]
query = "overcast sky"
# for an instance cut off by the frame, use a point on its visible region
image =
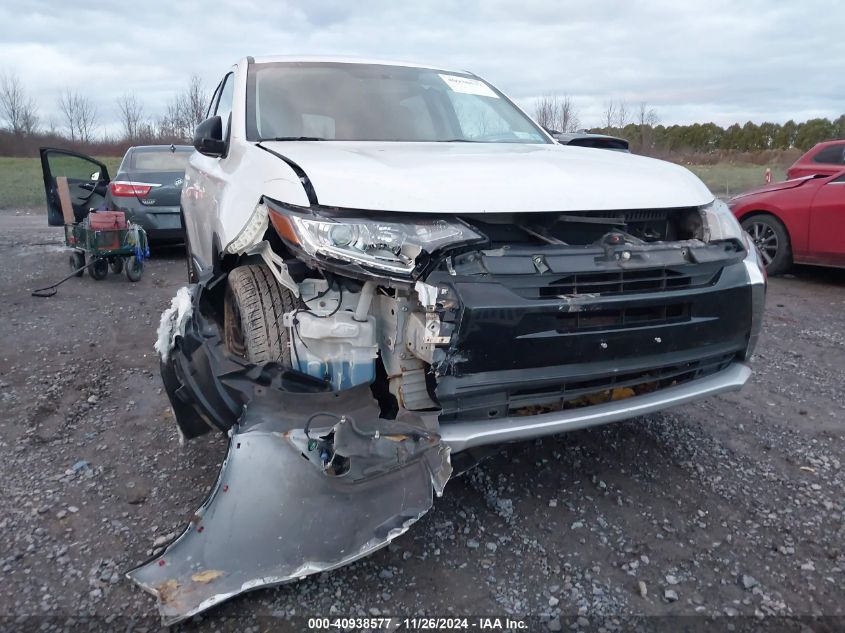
(718, 61)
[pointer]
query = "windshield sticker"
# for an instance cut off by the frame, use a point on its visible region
(468, 86)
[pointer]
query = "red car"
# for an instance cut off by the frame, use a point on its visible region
(825, 158)
(800, 220)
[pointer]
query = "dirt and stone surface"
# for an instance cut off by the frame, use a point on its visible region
(732, 506)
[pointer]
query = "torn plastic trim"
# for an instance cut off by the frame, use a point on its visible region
(276, 265)
(274, 517)
(207, 387)
(173, 321)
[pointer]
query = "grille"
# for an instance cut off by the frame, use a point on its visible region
(623, 282)
(622, 317)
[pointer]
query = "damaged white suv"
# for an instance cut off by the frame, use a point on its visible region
(392, 264)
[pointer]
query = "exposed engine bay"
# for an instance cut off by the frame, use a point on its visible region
(507, 278)
(383, 345)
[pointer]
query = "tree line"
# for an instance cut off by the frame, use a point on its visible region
(79, 120)
(641, 126)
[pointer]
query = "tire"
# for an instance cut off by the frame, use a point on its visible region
(116, 265)
(77, 261)
(253, 309)
(99, 270)
(134, 268)
(772, 240)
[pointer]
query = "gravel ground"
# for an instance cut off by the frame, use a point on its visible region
(732, 506)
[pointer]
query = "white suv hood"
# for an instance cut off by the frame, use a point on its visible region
(488, 177)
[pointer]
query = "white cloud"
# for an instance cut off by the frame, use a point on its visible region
(693, 61)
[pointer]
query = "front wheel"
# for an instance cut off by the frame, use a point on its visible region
(253, 309)
(116, 265)
(99, 269)
(772, 240)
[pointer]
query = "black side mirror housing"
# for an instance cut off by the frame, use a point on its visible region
(208, 137)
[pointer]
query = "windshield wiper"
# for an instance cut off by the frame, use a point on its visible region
(294, 138)
(457, 140)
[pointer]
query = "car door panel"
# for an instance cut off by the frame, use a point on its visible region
(87, 180)
(827, 222)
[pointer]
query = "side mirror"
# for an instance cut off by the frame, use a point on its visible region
(95, 176)
(208, 137)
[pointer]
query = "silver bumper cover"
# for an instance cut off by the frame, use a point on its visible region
(463, 435)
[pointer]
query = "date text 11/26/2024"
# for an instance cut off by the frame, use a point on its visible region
(481, 623)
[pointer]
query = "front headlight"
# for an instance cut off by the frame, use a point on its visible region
(720, 223)
(391, 246)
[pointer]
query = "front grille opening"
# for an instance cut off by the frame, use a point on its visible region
(622, 317)
(627, 282)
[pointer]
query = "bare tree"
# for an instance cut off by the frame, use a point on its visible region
(567, 115)
(185, 110)
(171, 124)
(646, 120)
(88, 119)
(609, 115)
(646, 115)
(621, 114)
(545, 110)
(556, 113)
(80, 115)
(615, 116)
(18, 108)
(194, 102)
(68, 107)
(131, 115)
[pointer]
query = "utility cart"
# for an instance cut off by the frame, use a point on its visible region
(104, 240)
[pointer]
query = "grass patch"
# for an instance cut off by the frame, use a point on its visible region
(22, 185)
(725, 179)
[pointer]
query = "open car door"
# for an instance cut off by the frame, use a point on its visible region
(87, 179)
